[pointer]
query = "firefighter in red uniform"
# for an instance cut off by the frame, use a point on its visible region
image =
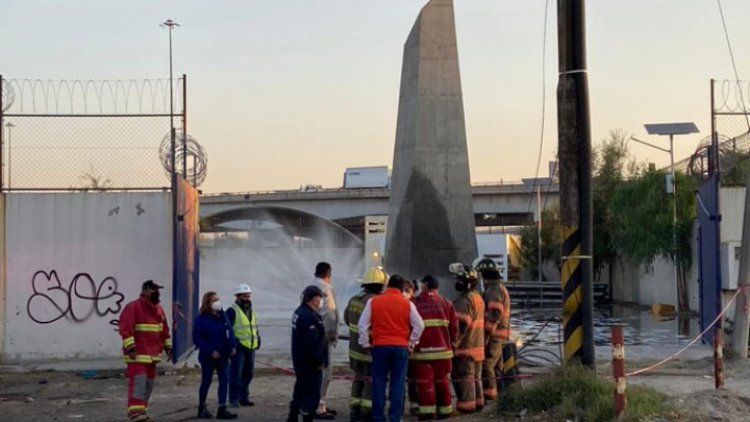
(469, 350)
(145, 335)
(496, 326)
(431, 359)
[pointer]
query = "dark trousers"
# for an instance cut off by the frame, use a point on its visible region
(208, 366)
(306, 394)
(241, 374)
(394, 361)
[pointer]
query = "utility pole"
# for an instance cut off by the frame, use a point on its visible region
(741, 307)
(574, 149)
(10, 126)
(170, 25)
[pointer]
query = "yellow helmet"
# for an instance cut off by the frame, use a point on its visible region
(375, 275)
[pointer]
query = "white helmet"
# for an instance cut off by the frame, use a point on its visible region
(242, 289)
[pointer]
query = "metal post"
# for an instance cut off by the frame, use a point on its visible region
(719, 357)
(10, 126)
(680, 305)
(184, 126)
(618, 371)
(574, 148)
(1, 132)
(539, 242)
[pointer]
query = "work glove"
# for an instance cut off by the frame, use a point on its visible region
(131, 353)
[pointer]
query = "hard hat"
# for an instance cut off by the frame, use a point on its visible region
(242, 289)
(375, 275)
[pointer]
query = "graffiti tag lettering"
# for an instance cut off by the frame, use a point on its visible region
(82, 298)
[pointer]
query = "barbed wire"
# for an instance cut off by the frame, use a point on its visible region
(118, 96)
(189, 150)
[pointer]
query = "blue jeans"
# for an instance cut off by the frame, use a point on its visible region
(394, 361)
(208, 365)
(241, 374)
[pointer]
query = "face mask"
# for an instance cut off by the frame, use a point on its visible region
(154, 297)
(216, 306)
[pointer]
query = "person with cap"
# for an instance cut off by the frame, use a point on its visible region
(469, 347)
(496, 326)
(244, 323)
(431, 360)
(330, 315)
(309, 355)
(360, 359)
(145, 336)
(396, 328)
(214, 338)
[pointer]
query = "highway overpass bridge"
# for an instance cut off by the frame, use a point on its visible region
(495, 204)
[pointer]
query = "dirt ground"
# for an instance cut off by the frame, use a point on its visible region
(99, 395)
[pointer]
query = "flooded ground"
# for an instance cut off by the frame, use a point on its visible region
(641, 328)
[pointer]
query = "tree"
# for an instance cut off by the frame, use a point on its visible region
(612, 167)
(551, 242)
(93, 180)
(642, 215)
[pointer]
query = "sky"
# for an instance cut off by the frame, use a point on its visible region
(284, 93)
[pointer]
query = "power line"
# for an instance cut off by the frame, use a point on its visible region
(734, 64)
(544, 103)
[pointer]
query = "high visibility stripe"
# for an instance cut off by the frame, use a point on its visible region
(359, 356)
(366, 404)
(447, 354)
(436, 323)
(490, 393)
(476, 352)
(356, 402)
(478, 324)
(148, 328)
(142, 359)
(356, 307)
(136, 408)
(445, 410)
(427, 410)
(168, 343)
(128, 342)
(466, 406)
(353, 328)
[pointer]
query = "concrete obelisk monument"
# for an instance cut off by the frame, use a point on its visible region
(431, 214)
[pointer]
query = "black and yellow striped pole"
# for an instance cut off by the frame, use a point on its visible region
(574, 149)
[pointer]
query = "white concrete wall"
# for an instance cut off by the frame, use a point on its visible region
(73, 261)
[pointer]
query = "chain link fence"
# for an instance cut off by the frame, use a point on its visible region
(83, 135)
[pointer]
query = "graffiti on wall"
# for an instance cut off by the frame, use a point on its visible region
(81, 299)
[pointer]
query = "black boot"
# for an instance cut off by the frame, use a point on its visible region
(203, 413)
(223, 413)
(293, 413)
(308, 418)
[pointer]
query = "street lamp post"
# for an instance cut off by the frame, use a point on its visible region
(171, 24)
(670, 129)
(10, 126)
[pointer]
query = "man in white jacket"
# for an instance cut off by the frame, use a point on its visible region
(330, 315)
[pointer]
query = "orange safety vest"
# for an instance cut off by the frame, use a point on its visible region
(390, 319)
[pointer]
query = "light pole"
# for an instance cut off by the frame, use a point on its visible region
(670, 129)
(171, 24)
(10, 126)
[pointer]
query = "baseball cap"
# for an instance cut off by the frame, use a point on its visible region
(149, 284)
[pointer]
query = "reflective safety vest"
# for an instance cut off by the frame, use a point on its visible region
(245, 329)
(497, 311)
(470, 313)
(351, 318)
(440, 327)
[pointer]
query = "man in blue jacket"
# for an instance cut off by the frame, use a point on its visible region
(309, 355)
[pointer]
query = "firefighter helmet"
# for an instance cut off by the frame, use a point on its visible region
(375, 275)
(487, 264)
(463, 273)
